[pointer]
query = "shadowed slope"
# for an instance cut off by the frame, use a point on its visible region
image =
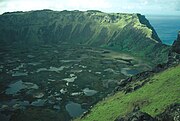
(130, 33)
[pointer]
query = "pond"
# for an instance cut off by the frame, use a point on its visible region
(39, 102)
(74, 109)
(18, 86)
(89, 92)
(129, 71)
(52, 69)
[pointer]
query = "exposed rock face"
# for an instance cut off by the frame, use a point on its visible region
(144, 21)
(176, 44)
(172, 113)
(174, 54)
(137, 116)
(124, 32)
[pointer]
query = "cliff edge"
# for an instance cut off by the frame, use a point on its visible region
(130, 33)
(176, 44)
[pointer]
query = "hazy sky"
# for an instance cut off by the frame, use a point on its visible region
(170, 7)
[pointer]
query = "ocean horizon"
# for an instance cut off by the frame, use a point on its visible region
(166, 26)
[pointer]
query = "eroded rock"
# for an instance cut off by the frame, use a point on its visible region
(136, 116)
(176, 44)
(172, 113)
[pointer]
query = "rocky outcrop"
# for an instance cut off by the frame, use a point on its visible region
(172, 113)
(176, 44)
(136, 116)
(174, 54)
(144, 21)
(135, 82)
(130, 33)
(173, 60)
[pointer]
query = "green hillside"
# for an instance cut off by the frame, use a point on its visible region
(130, 33)
(67, 61)
(153, 98)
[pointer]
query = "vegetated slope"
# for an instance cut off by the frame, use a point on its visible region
(130, 33)
(153, 98)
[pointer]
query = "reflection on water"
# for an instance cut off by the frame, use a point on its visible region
(129, 71)
(18, 86)
(52, 80)
(39, 102)
(20, 74)
(74, 109)
(52, 69)
(15, 87)
(132, 72)
(57, 107)
(89, 92)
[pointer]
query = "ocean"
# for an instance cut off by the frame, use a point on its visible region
(167, 27)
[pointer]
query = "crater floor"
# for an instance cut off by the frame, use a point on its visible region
(59, 80)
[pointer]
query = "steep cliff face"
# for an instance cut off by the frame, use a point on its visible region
(176, 44)
(124, 32)
(174, 53)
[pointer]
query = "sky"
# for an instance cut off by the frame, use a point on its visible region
(158, 7)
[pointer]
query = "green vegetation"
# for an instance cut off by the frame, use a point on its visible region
(161, 91)
(130, 33)
(67, 52)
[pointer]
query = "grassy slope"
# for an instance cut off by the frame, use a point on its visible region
(153, 98)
